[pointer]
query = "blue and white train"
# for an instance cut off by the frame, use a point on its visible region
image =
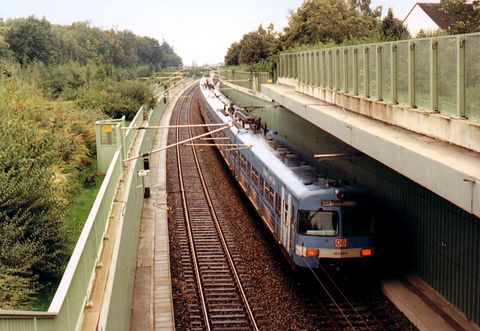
(315, 220)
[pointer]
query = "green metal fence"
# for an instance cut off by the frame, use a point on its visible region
(72, 293)
(116, 314)
(440, 74)
(248, 79)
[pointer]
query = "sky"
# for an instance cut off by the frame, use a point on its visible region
(200, 31)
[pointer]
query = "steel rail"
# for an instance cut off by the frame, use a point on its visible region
(189, 230)
(346, 300)
(222, 237)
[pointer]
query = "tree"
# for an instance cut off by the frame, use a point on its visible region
(363, 7)
(392, 28)
(31, 40)
(257, 45)
(254, 47)
(231, 58)
(466, 15)
(323, 21)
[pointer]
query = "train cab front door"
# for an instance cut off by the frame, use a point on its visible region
(286, 218)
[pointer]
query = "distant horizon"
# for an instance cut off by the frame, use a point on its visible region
(199, 33)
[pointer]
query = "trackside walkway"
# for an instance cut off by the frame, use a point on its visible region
(152, 301)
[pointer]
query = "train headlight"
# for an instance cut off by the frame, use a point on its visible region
(339, 194)
(312, 252)
(366, 252)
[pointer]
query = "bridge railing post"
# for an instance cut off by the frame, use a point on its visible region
(337, 69)
(305, 67)
(411, 74)
(356, 71)
(294, 66)
(434, 75)
(366, 72)
(300, 67)
(379, 73)
(345, 70)
(290, 66)
(461, 76)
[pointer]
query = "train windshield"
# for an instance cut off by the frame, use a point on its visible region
(357, 222)
(318, 223)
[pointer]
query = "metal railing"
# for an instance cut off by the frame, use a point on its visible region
(247, 79)
(439, 74)
(72, 293)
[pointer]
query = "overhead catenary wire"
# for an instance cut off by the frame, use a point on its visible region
(178, 143)
(168, 126)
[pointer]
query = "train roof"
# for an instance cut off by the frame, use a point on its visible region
(301, 179)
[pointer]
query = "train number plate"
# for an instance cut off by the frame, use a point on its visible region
(340, 243)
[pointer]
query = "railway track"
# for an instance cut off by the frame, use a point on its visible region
(218, 300)
(340, 311)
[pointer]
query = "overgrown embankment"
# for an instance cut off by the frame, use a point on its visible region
(54, 84)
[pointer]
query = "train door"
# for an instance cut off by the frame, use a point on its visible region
(286, 218)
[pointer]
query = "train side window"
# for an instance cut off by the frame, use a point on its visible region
(269, 194)
(248, 169)
(262, 181)
(285, 210)
(278, 202)
(243, 162)
(255, 177)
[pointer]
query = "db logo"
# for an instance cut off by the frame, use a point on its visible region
(341, 243)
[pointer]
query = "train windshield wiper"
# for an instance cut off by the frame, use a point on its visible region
(314, 214)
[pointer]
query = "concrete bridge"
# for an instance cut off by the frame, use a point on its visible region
(412, 108)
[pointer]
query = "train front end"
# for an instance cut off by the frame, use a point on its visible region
(334, 228)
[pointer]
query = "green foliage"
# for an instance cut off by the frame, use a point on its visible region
(55, 82)
(254, 47)
(231, 58)
(466, 15)
(31, 39)
(392, 28)
(16, 289)
(431, 33)
(316, 24)
(116, 99)
(322, 21)
(45, 157)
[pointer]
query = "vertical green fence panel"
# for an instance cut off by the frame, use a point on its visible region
(316, 68)
(372, 71)
(387, 72)
(361, 70)
(402, 72)
(323, 74)
(350, 70)
(472, 78)
(341, 70)
(294, 66)
(331, 71)
(311, 68)
(447, 73)
(422, 74)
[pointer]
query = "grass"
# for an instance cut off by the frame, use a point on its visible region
(78, 211)
(77, 214)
